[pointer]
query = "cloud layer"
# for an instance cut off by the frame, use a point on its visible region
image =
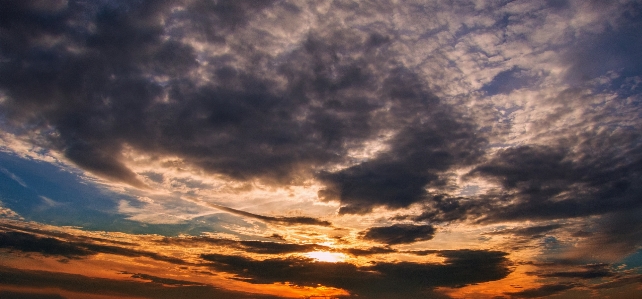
(421, 140)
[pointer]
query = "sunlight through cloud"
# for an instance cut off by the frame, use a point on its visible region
(325, 256)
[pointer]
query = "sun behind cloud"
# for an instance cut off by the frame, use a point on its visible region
(325, 256)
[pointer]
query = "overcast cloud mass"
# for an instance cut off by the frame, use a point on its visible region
(347, 149)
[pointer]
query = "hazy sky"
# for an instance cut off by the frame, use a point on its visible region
(352, 149)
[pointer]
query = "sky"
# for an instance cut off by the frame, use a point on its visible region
(320, 149)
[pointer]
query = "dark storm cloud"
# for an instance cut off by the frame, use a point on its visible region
(399, 234)
(96, 91)
(553, 183)
(381, 280)
(437, 140)
(119, 76)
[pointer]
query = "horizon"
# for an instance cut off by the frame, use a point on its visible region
(320, 149)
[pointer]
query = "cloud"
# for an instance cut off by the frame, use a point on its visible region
(531, 231)
(435, 141)
(299, 220)
(617, 44)
(101, 286)
(619, 282)
(251, 246)
(53, 246)
(589, 272)
(552, 183)
(130, 82)
(543, 291)
(381, 280)
(368, 251)
(25, 295)
(50, 246)
(427, 113)
(13, 177)
(164, 281)
(399, 234)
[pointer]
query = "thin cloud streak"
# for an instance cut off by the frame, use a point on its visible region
(299, 220)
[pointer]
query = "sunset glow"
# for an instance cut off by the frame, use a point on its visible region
(266, 149)
(324, 256)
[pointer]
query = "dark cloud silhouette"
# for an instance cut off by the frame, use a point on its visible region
(53, 246)
(552, 183)
(164, 281)
(50, 246)
(279, 248)
(101, 286)
(25, 295)
(619, 282)
(381, 280)
(368, 251)
(587, 272)
(543, 291)
(108, 93)
(399, 233)
(260, 247)
(419, 156)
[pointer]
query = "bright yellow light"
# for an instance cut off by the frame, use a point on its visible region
(324, 256)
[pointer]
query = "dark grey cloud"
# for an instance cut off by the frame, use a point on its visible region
(164, 281)
(100, 286)
(543, 291)
(368, 251)
(399, 233)
(27, 242)
(618, 47)
(436, 141)
(619, 282)
(544, 182)
(99, 90)
(26, 295)
(532, 231)
(586, 272)
(49, 246)
(381, 280)
(10, 228)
